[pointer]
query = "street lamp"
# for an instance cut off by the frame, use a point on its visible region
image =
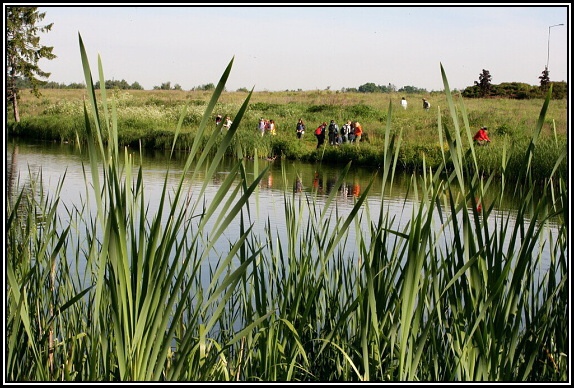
(548, 57)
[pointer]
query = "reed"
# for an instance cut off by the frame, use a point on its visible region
(124, 291)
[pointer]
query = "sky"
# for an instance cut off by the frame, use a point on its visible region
(276, 48)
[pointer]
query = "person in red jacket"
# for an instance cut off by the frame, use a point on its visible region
(481, 137)
(320, 134)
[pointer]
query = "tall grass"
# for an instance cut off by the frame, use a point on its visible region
(124, 293)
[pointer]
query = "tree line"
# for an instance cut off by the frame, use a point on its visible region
(481, 88)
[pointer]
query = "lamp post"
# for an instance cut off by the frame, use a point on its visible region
(548, 57)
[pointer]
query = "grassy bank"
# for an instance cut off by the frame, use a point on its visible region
(149, 119)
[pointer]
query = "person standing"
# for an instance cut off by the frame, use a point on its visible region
(300, 128)
(404, 103)
(333, 132)
(261, 126)
(271, 126)
(345, 130)
(227, 123)
(351, 131)
(320, 134)
(358, 131)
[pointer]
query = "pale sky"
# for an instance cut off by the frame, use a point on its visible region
(309, 47)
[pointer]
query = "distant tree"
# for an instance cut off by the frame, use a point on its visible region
(114, 84)
(484, 83)
(516, 90)
(385, 89)
(23, 83)
(206, 87)
(76, 85)
(23, 51)
(54, 85)
(164, 86)
(412, 90)
(369, 87)
(177, 87)
(244, 90)
(559, 89)
(136, 86)
(544, 79)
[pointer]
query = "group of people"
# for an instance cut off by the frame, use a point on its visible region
(350, 132)
(226, 124)
(426, 104)
(266, 126)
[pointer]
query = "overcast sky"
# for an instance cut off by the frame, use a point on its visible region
(301, 47)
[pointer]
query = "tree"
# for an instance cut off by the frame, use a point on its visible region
(23, 51)
(369, 87)
(544, 79)
(483, 83)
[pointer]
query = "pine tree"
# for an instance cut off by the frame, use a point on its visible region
(544, 79)
(23, 51)
(483, 83)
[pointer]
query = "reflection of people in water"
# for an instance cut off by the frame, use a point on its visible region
(317, 182)
(298, 187)
(356, 189)
(344, 190)
(330, 184)
(269, 180)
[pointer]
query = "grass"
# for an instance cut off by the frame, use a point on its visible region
(446, 297)
(149, 119)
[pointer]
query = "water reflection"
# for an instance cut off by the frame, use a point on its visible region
(302, 179)
(318, 179)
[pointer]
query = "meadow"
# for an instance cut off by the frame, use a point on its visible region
(149, 118)
(400, 307)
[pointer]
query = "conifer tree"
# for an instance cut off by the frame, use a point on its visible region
(23, 51)
(544, 79)
(484, 83)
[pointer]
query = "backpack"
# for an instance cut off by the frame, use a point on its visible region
(319, 130)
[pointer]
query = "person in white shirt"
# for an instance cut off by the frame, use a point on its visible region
(404, 103)
(227, 123)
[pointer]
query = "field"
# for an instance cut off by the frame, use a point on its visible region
(149, 119)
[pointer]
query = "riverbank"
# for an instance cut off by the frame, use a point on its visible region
(149, 119)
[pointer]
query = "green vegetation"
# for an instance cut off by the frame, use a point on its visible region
(447, 297)
(149, 118)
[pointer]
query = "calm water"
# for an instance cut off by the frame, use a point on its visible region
(301, 181)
